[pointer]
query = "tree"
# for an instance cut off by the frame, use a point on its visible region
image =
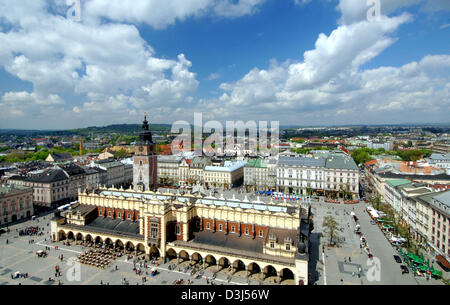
(331, 227)
(120, 154)
(375, 201)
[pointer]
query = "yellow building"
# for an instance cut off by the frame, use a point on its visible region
(264, 241)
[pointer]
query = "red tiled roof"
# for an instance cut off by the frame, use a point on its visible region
(345, 150)
(374, 161)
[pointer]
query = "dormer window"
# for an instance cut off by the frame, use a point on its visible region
(288, 242)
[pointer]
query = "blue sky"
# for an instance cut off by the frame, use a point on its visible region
(300, 62)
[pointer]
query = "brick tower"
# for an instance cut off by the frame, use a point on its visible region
(145, 161)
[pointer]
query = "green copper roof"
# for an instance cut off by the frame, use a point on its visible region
(397, 182)
(257, 163)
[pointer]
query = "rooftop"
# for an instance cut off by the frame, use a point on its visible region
(440, 177)
(7, 189)
(260, 163)
(48, 176)
(397, 182)
(72, 169)
(218, 202)
(115, 225)
(111, 164)
(228, 166)
(301, 161)
(341, 161)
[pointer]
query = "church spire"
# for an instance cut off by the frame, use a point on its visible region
(145, 135)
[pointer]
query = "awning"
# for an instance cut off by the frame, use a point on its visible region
(443, 261)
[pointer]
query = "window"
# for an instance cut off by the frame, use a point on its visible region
(109, 214)
(288, 247)
(129, 215)
(260, 233)
(118, 215)
(140, 162)
(272, 244)
(177, 229)
(154, 230)
(220, 227)
(232, 229)
(246, 231)
(207, 225)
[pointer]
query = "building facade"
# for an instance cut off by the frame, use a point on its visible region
(260, 174)
(16, 202)
(440, 161)
(50, 187)
(77, 179)
(269, 241)
(438, 205)
(228, 175)
(341, 175)
(168, 168)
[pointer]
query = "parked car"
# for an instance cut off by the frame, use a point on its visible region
(404, 269)
(373, 222)
(397, 259)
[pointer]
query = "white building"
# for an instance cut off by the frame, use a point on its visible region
(226, 176)
(297, 174)
(440, 160)
(387, 145)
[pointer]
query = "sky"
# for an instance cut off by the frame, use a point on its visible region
(299, 62)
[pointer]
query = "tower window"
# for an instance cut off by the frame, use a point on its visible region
(140, 162)
(154, 230)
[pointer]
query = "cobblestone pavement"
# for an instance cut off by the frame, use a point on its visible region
(20, 256)
(338, 268)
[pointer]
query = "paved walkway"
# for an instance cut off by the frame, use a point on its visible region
(338, 268)
(20, 256)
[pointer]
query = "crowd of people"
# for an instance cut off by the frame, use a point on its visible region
(32, 231)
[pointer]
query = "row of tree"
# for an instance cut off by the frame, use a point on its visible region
(363, 155)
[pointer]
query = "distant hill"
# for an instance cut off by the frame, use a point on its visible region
(121, 128)
(116, 128)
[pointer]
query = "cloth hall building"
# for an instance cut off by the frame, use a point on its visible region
(269, 241)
